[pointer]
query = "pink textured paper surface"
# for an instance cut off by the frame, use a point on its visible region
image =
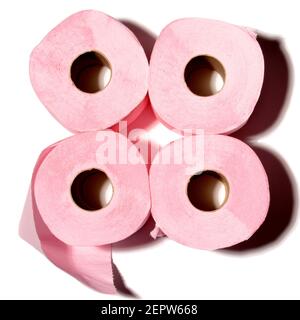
(238, 51)
(91, 265)
(242, 214)
(51, 61)
(125, 214)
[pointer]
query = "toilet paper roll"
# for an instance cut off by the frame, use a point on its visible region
(67, 189)
(176, 197)
(90, 72)
(91, 265)
(181, 69)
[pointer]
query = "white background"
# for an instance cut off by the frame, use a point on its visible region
(164, 269)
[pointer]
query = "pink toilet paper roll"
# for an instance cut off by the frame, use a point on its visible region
(183, 58)
(172, 186)
(71, 67)
(91, 265)
(67, 184)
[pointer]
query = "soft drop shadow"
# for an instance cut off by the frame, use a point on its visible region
(145, 36)
(268, 112)
(283, 202)
(276, 90)
(120, 283)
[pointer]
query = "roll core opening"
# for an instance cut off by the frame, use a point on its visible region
(208, 190)
(204, 75)
(91, 72)
(92, 190)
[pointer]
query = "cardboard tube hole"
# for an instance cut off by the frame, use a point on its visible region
(92, 190)
(204, 75)
(91, 72)
(208, 190)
